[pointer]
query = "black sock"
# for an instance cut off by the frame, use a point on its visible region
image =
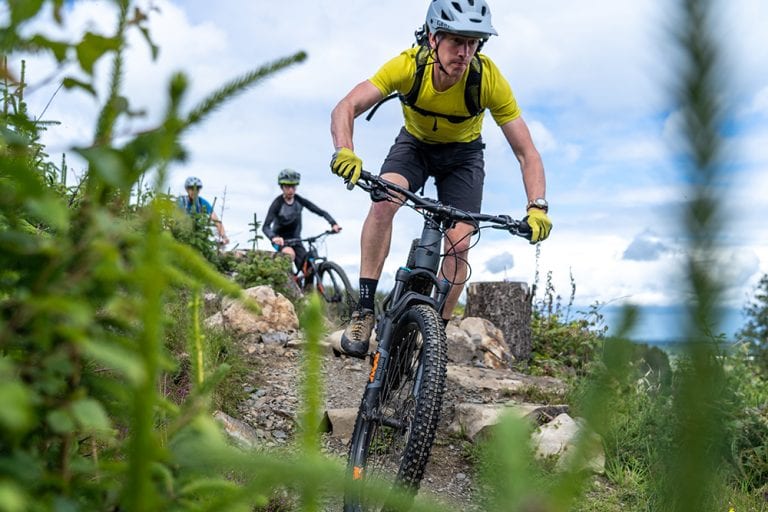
(367, 292)
(445, 322)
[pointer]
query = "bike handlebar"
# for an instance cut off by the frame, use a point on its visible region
(309, 240)
(380, 189)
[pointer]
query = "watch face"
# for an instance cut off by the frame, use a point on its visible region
(541, 202)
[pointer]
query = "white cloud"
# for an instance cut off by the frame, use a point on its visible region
(500, 263)
(646, 247)
(760, 102)
(592, 81)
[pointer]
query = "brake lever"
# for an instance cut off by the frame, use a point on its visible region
(507, 222)
(378, 194)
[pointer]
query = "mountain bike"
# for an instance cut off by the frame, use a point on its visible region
(327, 277)
(398, 415)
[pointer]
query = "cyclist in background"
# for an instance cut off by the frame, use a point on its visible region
(193, 204)
(445, 86)
(283, 219)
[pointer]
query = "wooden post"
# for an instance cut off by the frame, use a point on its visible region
(507, 304)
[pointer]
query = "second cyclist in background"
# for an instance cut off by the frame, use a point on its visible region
(283, 219)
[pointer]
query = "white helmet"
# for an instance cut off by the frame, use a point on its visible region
(193, 182)
(468, 18)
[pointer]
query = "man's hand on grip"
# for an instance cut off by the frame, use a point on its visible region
(347, 164)
(540, 224)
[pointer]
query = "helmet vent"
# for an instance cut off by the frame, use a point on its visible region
(457, 6)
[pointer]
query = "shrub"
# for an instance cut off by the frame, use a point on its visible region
(266, 268)
(84, 424)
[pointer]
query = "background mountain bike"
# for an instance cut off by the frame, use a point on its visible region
(327, 277)
(400, 408)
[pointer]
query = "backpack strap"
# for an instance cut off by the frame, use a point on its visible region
(471, 90)
(422, 58)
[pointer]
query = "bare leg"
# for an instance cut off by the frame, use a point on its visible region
(376, 236)
(454, 267)
(289, 251)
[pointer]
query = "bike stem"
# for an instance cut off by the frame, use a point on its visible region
(427, 254)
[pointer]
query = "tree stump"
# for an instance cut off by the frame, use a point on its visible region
(508, 305)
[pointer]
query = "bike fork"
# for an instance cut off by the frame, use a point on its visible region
(378, 369)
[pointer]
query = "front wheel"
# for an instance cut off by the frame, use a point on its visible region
(396, 424)
(333, 285)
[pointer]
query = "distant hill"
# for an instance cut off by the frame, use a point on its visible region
(663, 325)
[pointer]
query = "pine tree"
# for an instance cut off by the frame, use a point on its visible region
(755, 332)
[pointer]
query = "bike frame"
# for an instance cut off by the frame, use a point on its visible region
(425, 268)
(313, 259)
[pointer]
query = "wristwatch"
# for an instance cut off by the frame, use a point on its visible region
(539, 203)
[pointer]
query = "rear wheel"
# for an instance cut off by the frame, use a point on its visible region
(333, 285)
(390, 447)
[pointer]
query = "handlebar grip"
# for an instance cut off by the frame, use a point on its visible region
(523, 229)
(350, 185)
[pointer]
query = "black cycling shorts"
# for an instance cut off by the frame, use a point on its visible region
(458, 168)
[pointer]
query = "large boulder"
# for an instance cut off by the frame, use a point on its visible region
(276, 320)
(476, 421)
(477, 341)
(239, 432)
(565, 438)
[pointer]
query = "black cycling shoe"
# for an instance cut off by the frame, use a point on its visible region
(357, 335)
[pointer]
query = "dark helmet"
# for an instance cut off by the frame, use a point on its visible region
(288, 177)
(193, 182)
(468, 18)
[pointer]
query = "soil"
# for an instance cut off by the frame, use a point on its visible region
(271, 410)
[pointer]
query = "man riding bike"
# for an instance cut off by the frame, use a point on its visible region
(445, 86)
(283, 219)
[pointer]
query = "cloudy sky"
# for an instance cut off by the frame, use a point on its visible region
(594, 83)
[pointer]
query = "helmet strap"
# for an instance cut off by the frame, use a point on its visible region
(436, 56)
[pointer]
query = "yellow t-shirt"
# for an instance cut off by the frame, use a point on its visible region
(496, 95)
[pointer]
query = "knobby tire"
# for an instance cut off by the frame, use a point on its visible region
(333, 285)
(386, 457)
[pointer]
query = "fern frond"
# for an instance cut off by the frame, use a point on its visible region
(109, 113)
(238, 85)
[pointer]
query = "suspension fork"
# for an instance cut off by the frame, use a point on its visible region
(379, 366)
(380, 361)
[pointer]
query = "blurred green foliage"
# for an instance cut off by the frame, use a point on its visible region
(87, 273)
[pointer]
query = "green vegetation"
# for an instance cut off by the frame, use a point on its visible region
(108, 378)
(87, 422)
(266, 268)
(755, 333)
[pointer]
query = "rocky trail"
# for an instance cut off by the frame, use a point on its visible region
(480, 386)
